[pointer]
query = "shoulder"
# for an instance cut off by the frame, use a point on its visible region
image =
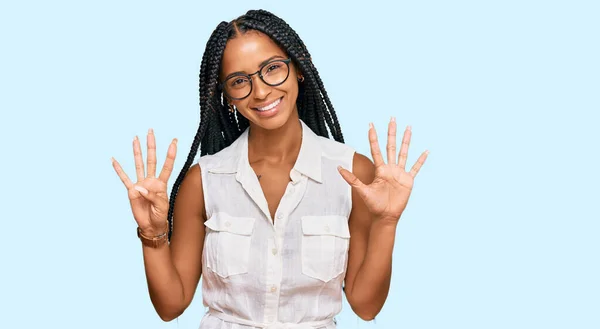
(190, 196)
(192, 181)
(225, 159)
(333, 149)
(361, 165)
(194, 174)
(222, 156)
(363, 168)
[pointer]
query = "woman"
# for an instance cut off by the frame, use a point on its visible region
(268, 215)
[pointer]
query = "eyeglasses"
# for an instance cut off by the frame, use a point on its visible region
(273, 73)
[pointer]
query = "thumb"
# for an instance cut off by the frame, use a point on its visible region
(150, 196)
(351, 179)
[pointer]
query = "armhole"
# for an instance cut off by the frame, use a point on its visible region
(204, 179)
(350, 167)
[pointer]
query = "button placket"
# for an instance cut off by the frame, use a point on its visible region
(288, 203)
(273, 279)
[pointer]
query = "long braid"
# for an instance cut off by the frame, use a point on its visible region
(337, 131)
(218, 126)
(205, 118)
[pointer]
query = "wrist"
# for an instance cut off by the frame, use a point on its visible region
(151, 231)
(154, 238)
(385, 223)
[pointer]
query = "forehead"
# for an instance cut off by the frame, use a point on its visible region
(247, 51)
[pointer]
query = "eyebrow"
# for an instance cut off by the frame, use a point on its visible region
(269, 59)
(259, 65)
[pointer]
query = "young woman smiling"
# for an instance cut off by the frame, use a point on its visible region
(277, 217)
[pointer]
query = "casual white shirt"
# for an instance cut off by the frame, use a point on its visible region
(287, 273)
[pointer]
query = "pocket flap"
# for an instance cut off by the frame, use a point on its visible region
(326, 225)
(226, 223)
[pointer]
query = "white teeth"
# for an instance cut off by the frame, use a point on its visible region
(270, 106)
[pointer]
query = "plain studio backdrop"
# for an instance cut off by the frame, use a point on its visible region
(501, 230)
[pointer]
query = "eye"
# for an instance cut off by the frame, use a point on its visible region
(273, 67)
(237, 82)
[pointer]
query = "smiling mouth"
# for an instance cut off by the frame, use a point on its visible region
(268, 107)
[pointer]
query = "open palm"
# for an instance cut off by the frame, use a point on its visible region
(148, 196)
(386, 197)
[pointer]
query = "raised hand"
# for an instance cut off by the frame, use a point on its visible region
(148, 196)
(386, 197)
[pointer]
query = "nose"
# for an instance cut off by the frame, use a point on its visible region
(260, 88)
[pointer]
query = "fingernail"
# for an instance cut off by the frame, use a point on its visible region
(175, 141)
(409, 127)
(339, 168)
(393, 119)
(141, 189)
(112, 160)
(135, 138)
(370, 124)
(150, 131)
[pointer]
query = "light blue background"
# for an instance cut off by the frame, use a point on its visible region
(502, 228)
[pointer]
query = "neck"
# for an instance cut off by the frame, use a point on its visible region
(276, 145)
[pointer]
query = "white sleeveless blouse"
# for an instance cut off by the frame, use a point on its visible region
(256, 274)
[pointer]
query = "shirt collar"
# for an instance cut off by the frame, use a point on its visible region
(308, 162)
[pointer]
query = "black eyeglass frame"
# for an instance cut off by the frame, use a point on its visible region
(249, 76)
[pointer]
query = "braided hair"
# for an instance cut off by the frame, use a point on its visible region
(219, 127)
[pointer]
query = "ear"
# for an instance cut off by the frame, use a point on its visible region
(299, 74)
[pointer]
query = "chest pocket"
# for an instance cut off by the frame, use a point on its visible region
(325, 242)
(227, 244)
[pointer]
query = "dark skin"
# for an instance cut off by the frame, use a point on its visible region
(274, 142)
(379, 192)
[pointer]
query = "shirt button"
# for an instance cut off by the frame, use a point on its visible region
(274, 251)
(273, 289)
(279, 216)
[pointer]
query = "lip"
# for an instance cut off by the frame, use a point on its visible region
(268, 113)
(256, 107)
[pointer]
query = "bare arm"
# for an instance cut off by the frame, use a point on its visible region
(380, 193)
(173, 271)
(370, 256)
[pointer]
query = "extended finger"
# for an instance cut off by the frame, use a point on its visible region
(404, 147)
(151, 160)
(139, 161)
(374, 143)
(391, 142)
(351, 179)
(122, 175)
(417, 166)
(167, 168)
